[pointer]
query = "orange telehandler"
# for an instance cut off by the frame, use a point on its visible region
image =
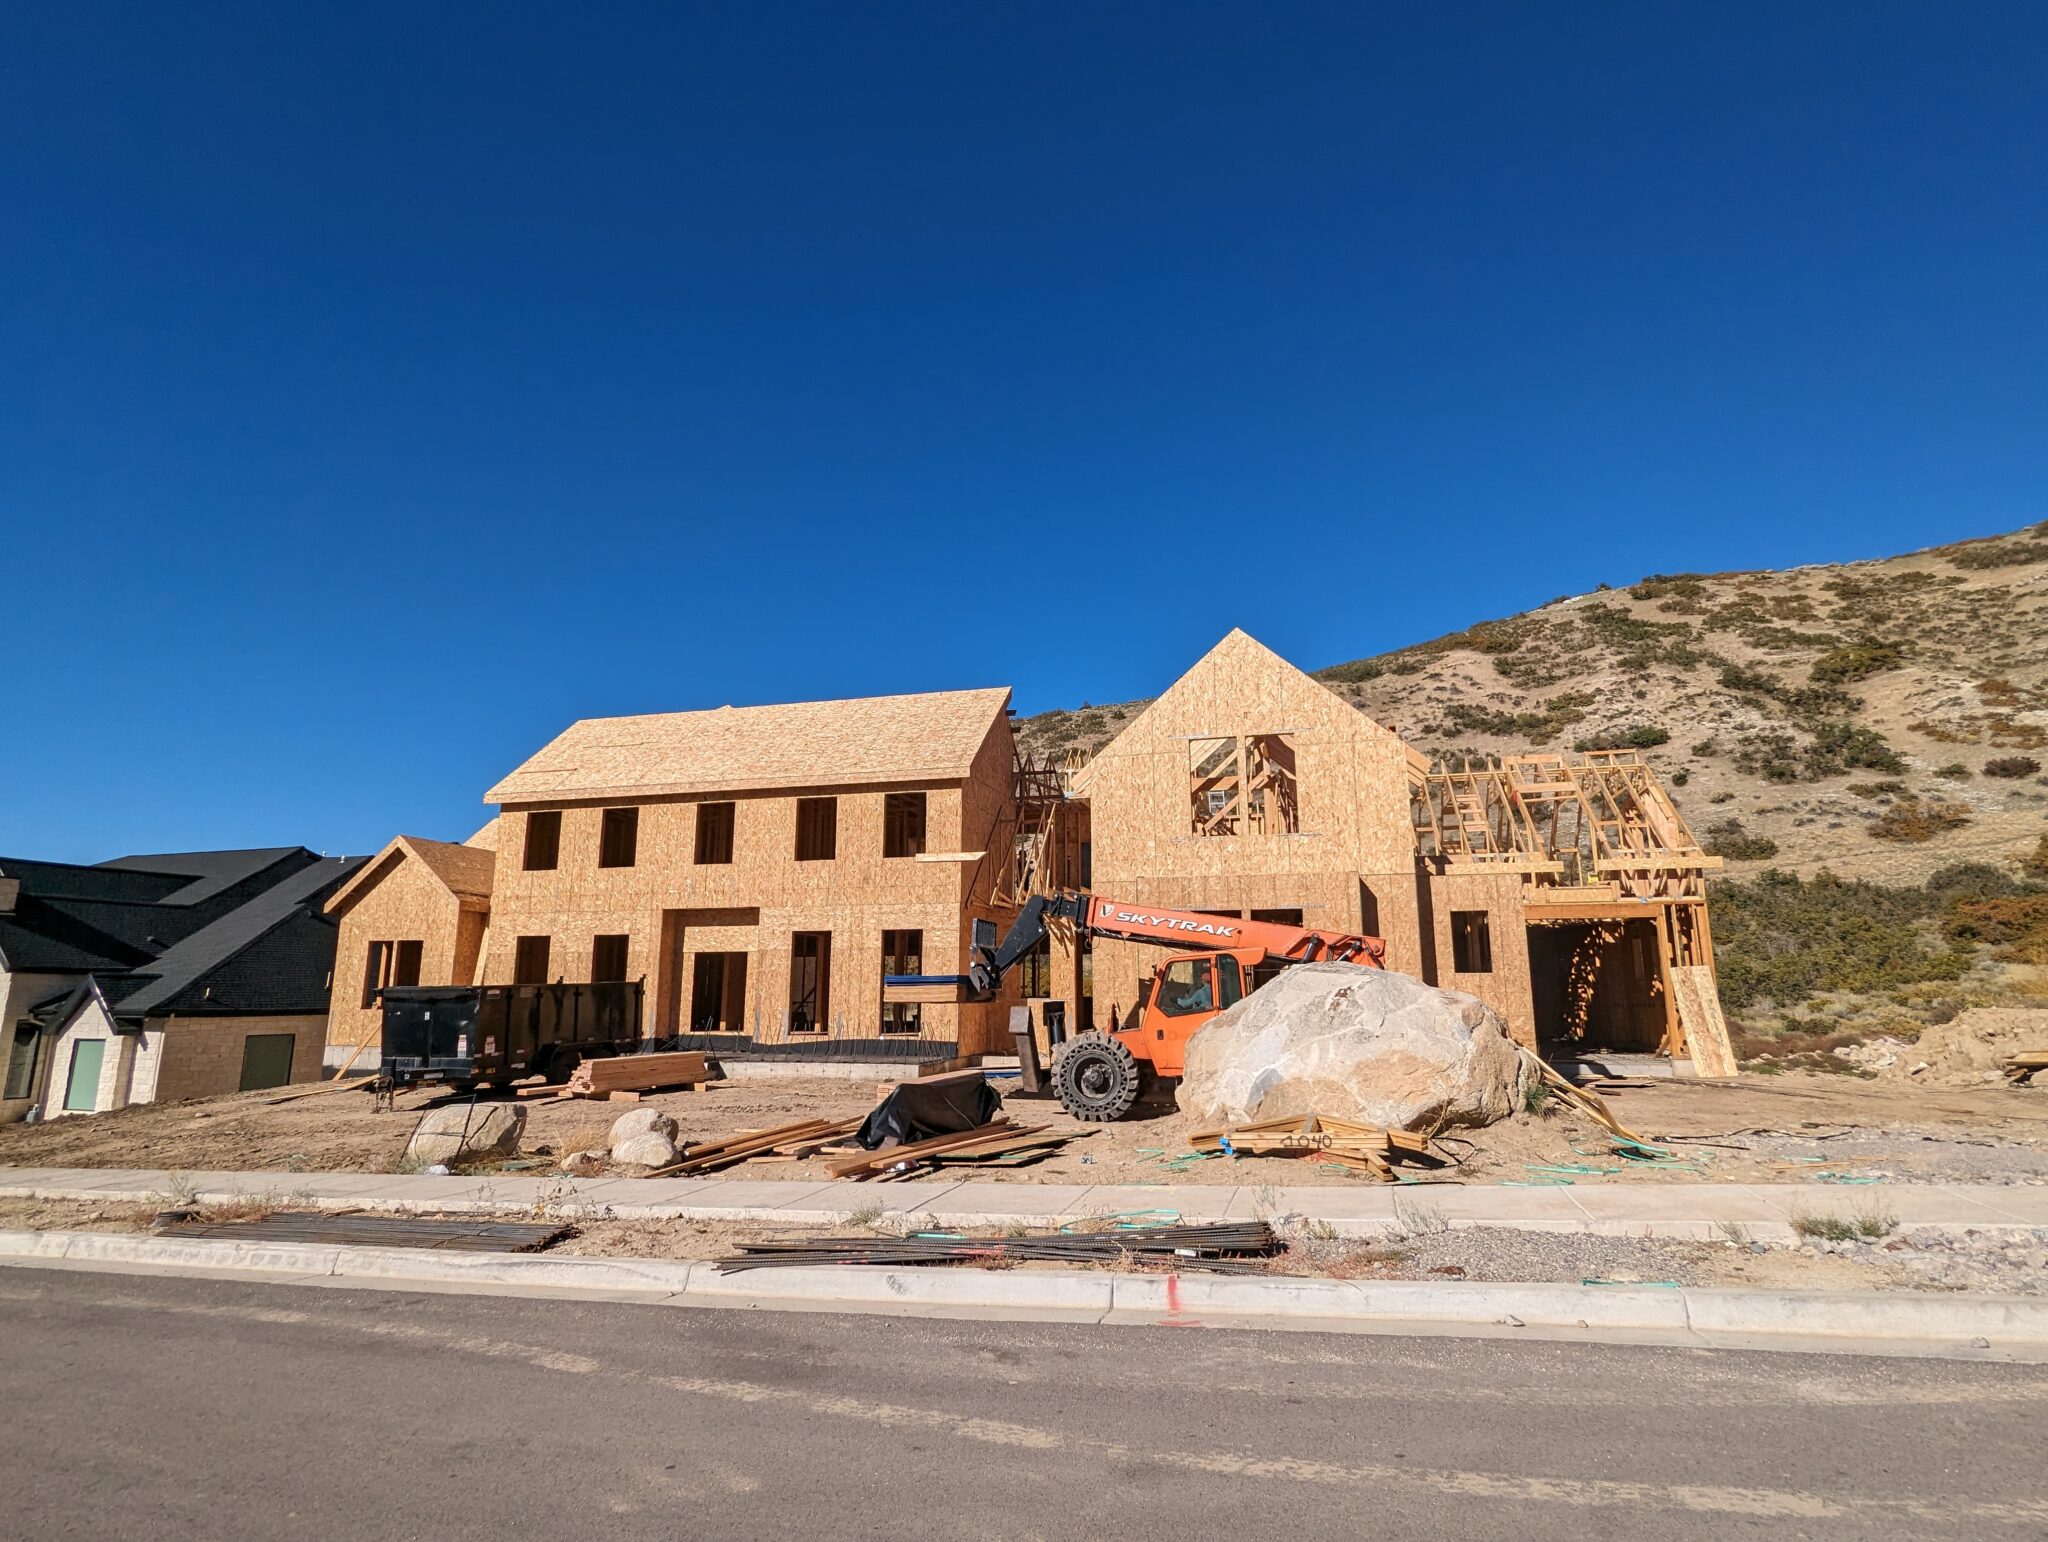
(1100, 1076)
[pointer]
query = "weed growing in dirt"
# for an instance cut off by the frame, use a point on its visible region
(178, 1192)
(1419, 1220)
(1867, 1224)
(865, 1215)
(1536, 1098)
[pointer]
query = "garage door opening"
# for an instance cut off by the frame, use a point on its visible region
(1597, 986)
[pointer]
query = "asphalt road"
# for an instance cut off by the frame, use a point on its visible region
(230, 1412)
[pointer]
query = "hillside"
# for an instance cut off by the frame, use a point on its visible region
(1880, 719)
(1865, 743)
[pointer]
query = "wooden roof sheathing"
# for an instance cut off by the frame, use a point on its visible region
(929, 737)
(465, 871)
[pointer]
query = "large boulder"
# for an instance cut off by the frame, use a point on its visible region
(465, 1132)
(1361, 1044)
(649, 1150)
(641, 1121)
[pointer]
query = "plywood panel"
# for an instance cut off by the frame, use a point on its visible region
(1505, 987)
(871, 740)
(1699, 1011)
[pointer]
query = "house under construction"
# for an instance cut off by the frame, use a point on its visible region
(814, 873)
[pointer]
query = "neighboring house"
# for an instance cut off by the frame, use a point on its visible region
(176, 975)
(414, 914)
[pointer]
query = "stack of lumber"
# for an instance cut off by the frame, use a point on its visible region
(784, 1140)
(997, 1137)
(2023, 1065)
(1364, 1148)
(636, 1074)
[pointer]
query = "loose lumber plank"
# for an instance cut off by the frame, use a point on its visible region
(937, 1078)
(1589, 1103)
(738, 1148)
(889, 1156)
(296, 1093)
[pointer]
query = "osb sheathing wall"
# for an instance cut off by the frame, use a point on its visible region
(1505, 987)
(1352, 862)
(400, 901)
(671, 909)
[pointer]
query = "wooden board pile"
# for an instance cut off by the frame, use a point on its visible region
(789, 1142)
(622, 1078)
(998, 1139)
(1363, 1148)
(2019, 1068)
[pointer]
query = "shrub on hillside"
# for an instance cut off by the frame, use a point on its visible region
(1910, 820)
(1979, 555)
(1730, 840)
(2012, 767)
(1637, 736)
(2035, 865)
(1779, 938)
(1357, 671)
(2015, 928)
(1839, 747)
(1848, 662)
(1954, 771)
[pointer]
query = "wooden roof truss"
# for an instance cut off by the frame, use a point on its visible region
(1602, 818)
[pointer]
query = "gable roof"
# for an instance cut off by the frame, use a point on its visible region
(464, 871)
(206, 932)
(929, 737)
(172, 979)
(65, 917)
(1237, 646)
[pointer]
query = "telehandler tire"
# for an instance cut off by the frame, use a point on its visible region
(1097, 1078)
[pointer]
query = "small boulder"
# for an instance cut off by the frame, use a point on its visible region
(648, 1150)
(641, 1121)
(583, 1164)
(465, 1132)
(1362, 1044)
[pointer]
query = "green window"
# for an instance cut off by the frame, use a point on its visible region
(82, 1089)
(266, 1060)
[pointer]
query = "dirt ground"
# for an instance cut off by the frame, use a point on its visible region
(1755, 1129)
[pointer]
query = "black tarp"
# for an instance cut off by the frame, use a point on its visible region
(920, 1110)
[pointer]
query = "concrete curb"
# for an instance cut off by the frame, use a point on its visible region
(1967, 1326)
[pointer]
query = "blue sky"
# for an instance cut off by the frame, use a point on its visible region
(386, 385)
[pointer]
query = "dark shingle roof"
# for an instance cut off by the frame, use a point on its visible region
(207, 873)
(185, 932)
(177, 980)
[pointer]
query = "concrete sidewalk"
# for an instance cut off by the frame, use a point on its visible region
(1764, 1212)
